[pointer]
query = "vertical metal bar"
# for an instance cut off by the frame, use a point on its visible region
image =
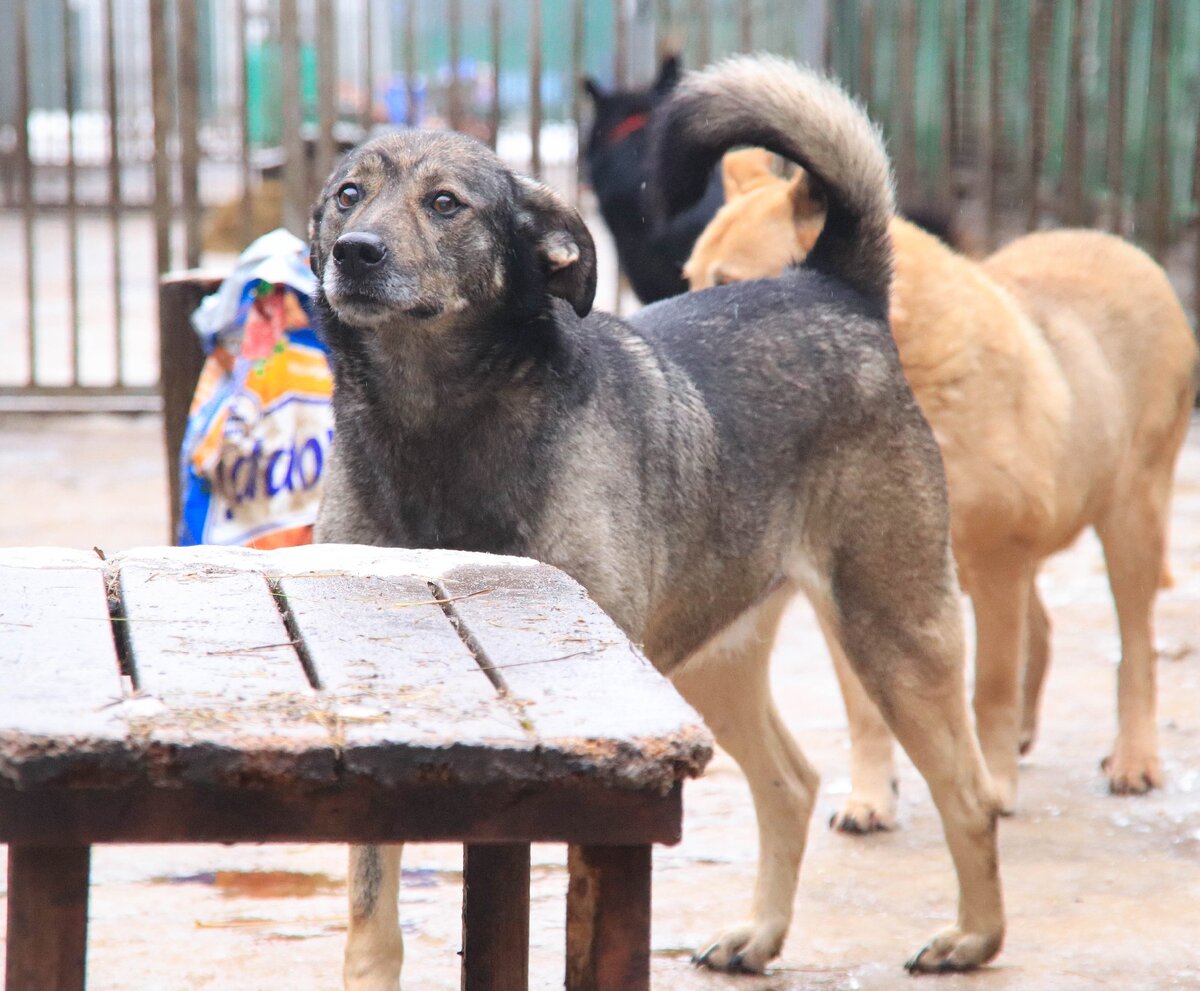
(188, 68)
(368, 110)
(702, 17)
(114, 183)
(906, 97)
(295, 166)
(497, 14)
(1196, 221)
(948, 186)
(160, 82)
(577, 51)
(829, 28)
(327, 86)
(745, 25)
(409, 55)
(1118, 74)
(455, 45)
(620, 45)
(248, 230)
(1041, 22)
(994, 127)
(72, 100)
(866, 51)
(969, 131)
(535, 87)
(1074, 206)
(27, 193)
(1159, 100)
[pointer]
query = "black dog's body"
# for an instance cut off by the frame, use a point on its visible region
(617, 155)
(693, 467)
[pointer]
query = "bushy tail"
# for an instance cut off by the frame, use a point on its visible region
(797, 113)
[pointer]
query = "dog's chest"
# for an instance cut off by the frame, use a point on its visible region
(457, 492)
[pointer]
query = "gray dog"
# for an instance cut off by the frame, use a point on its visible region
(693, 467)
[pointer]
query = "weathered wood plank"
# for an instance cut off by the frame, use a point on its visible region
(47, 918)
(236, 704)
(394, 673)
(358, 812)
(608, 918)
(495, 916)
(58, 666)
(574, 674)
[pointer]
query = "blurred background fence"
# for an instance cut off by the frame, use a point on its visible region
(138, 136)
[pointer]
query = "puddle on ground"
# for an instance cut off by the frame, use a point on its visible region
(297, 884)
(260, 884)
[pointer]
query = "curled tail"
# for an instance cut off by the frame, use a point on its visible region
(808, 119)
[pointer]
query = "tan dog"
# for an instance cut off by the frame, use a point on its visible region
(1058, 376)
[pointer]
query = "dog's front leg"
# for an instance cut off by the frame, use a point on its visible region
(374, 946)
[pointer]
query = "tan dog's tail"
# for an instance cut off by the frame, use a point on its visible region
(801, 115)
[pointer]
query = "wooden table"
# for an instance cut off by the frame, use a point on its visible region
(342, 694)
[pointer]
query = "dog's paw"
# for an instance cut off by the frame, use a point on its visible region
(744, 949)
(373, 964)
(1026, 740)
(1004, 789)
(955, 950)
(859, 817)
(1131, 773)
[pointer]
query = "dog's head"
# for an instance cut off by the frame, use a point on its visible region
(766, 224)
(621, 115)
(429, 228)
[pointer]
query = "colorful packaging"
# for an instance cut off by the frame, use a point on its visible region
(261, 423)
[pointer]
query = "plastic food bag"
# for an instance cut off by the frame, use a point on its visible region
(260, 426)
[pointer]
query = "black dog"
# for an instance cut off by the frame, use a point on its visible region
(651, 257)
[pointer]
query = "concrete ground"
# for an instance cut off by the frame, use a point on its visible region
(1102, 892)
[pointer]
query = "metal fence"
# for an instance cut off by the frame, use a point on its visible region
(138, 136)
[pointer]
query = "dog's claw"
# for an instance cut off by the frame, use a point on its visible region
(953, 951)
(737, 965)
(1132, 776)
(745, 949)
(859, 824)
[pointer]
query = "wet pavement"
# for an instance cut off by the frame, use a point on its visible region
(1102, 892)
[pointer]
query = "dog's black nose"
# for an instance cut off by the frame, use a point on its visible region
(358, 253)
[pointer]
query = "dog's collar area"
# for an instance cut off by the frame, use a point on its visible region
(630, 125)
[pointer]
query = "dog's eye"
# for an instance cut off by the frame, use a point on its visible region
(445, 204)
(348, 195)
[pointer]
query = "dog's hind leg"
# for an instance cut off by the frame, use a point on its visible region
(1037, 660)
(728, 683)
(1000, 596)
(1134, 538)
(374, 946)
(872, 802)
(905, 641)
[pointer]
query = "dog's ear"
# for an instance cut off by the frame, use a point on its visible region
(807, 199)
(742, 169)
(563, 244)
(668, 75)
(594, 90)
